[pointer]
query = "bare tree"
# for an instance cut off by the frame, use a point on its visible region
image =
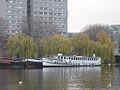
(38, 28)
(92, 30)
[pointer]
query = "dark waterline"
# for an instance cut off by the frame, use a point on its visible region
(72, 78)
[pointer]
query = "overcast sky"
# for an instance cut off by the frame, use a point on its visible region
(85, 12)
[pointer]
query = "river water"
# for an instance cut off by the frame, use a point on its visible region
(72, 78)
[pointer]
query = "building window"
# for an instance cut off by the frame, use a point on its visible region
(50, 18)
(45, 22)
(45, 8)
(50, 13)
(45, 13)
(41, 13)
(35, 12)
(54, 13)
(41, 8)
(50, 22)
(59, 14)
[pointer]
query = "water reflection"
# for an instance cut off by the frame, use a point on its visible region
(79, 78)
(73, 78)
(31, 79)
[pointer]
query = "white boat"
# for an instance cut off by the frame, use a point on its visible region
(70, 61)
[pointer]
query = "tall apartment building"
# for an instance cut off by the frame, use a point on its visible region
(16, 11)
(51, 14)
(2, 8)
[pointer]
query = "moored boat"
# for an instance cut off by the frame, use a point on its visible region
(71, 61)
(33, 63)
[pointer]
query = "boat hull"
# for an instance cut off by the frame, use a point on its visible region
(29, 65)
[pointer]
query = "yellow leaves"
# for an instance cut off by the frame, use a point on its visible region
(58, 43)
(107, 46)
(22, 45)
(103, 47)
(81, 44)
(103, 38)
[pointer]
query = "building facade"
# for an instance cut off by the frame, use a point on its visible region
(16, 11)
(115, 35)
(2, 8)
(50, 14)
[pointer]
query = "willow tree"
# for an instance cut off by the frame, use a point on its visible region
(57, 43)
(82, 45)
(23, 46)
(107, 52)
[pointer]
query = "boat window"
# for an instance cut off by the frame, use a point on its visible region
(74, 58)
(61, 57)
(71, 57)
(64, 57)
(58, 57)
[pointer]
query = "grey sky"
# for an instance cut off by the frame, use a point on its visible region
(85, 12)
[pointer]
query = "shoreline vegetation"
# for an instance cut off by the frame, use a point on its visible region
(38, 43)
(81, 44)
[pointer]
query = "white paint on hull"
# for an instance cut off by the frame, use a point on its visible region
(53, 64)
